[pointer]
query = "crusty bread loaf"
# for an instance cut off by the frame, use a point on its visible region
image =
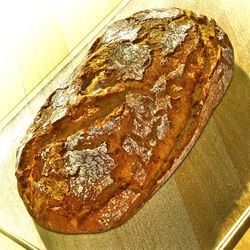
(106, 141)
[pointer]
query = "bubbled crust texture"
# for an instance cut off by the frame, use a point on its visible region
(104, 142)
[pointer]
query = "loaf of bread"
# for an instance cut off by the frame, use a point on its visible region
(108, 138)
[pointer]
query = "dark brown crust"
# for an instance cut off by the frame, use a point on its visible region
(89, 161)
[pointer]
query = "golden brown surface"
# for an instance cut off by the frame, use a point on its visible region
(106, 140)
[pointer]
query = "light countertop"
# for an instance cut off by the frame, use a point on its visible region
(208, 193)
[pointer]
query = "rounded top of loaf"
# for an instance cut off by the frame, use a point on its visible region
(105, 141)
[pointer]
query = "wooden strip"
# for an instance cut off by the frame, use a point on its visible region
(18, 240)
(236, 232)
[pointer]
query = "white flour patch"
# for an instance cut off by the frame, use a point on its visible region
(130, 60)
(90, 169)
(121, 31)
(132, 147)
(174, 36)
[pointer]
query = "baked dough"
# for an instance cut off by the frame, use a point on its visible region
(104, 142)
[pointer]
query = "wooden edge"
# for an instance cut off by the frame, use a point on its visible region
(18, 240)
(236, 232)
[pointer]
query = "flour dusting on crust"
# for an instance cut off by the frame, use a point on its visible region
(140, 174)
(73, 140)
(90, 169)
(132, 147)
(163, 127)
(162, 103)
(59, 102)
(111, 125)
(227, 53)
(160, 85)
(121, 31)
(130, 60)
(160, 14)
(141, 107)
(174, 36)
(65, 96)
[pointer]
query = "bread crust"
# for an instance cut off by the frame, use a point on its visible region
(104, 143)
